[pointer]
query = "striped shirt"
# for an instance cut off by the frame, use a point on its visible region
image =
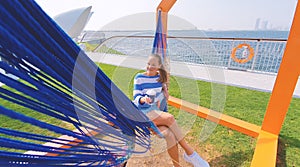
(143, 83)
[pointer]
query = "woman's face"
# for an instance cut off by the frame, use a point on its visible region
(152, 65)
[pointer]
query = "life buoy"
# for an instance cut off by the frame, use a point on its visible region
(242, 60)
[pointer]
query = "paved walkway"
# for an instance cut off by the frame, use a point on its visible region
(249, 80)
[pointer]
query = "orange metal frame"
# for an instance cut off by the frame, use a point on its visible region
(217, 117)
(289, 71)
(287, 77)
(164, 7)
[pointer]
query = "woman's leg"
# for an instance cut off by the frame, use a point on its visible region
(172, 145)
(166, 119)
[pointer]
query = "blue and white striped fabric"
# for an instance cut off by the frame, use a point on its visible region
(51, 76)
(142, 84)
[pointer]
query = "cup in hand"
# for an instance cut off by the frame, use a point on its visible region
(151, 94)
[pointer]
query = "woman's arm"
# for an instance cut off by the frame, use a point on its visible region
(139, 97)
(165, 90)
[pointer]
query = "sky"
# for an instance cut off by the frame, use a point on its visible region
(203, 14)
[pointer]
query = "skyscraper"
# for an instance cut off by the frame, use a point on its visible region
(257, 24)
(264, 25)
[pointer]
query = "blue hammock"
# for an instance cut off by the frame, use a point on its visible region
(160, 48)
(48, 74)
(160, 40)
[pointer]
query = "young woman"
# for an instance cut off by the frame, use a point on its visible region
(154, 79)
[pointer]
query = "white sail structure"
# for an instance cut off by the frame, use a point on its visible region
(74, 21)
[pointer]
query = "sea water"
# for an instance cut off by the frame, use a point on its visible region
(195, 46)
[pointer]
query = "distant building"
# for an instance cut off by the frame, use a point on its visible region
(257, 23)
(264, 25)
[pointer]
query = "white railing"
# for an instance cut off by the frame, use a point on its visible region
(215, 52)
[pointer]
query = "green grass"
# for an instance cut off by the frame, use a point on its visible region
(102, 49)
(220, 145)
(14, 124)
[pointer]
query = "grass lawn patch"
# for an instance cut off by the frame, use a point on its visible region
(220, 145)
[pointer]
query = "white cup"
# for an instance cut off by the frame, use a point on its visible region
(151, 94)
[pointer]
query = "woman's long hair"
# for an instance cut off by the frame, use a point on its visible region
(163, 75)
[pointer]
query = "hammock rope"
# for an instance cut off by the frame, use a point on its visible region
(48, 74)
(160, 40)
(160, 48)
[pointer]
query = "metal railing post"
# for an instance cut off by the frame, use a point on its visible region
(255, 55)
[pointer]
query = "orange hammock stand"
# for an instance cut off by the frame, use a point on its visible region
(266, 134)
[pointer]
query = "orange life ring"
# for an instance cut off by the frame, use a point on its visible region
(243, 60)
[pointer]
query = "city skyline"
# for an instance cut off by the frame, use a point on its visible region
(203, 14)
(262, 24)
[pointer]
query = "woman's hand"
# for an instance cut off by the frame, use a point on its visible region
(145, 99)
